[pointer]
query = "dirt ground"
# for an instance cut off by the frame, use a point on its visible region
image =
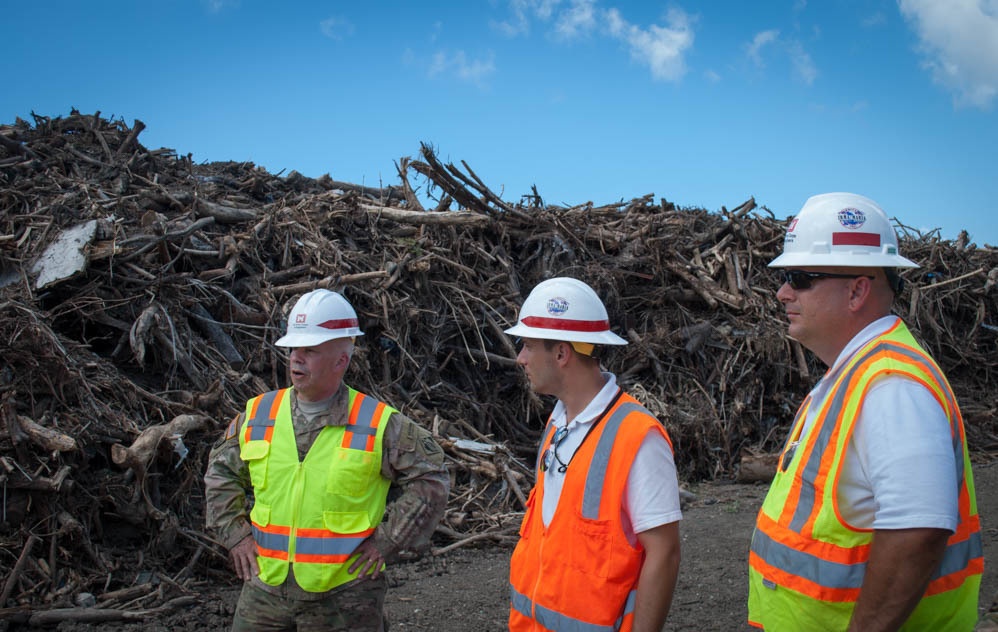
(466, 589)
(716, 528)
(471, 592)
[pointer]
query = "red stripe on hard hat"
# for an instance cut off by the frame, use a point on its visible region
(564, 324)
(856, 239)
(343, 323)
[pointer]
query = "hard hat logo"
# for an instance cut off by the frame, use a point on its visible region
(557, 306)
(852, 218)
(300, 319)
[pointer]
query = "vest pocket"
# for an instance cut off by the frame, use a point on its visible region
(528, 514)
(351, 472)
(255, 454)
(260, 514)
(346, 521)
(592, 547)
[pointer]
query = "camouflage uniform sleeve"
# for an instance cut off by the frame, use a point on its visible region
(414, 462)
(226, 483)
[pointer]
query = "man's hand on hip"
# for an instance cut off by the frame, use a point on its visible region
(243, 556)
(369, 560)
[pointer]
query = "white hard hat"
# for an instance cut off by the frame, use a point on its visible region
(841, 229)
(318, 316)
(565, 309)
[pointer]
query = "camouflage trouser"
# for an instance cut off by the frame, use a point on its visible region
(358, 607)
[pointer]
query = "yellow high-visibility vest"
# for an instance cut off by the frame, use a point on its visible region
(806, 566)
(313, 513)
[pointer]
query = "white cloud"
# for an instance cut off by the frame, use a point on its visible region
(438, 64)
(959, 42)
(577, 20)
(517, 25)
(522, 12)
(754, 49)
(800, 59)
(457, 64)
(711, 76)
(803, 66)
(543, 9)
(336, 28)
(662, 48)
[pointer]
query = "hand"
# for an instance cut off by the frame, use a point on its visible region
(243, 556)
(369, 560)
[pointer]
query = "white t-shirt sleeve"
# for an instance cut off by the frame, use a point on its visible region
(904, 448)
(652, 497)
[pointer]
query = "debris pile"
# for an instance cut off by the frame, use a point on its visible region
(140, 295)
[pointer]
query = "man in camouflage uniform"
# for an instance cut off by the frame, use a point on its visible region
(340, 584)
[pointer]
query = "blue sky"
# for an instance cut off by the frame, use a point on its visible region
(704, 104)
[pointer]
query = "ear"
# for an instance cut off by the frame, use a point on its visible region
(343, 361)
(859, 292)
(562, 352)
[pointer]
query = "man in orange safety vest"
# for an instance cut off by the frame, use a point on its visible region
(599, 543)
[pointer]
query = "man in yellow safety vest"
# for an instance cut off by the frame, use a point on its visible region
(319, 458)
(871, 521)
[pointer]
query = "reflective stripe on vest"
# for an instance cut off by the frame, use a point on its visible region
(553, 620)
(806, 503)
(272, 541)
(601, 459)
(318, 546)
(800, 545)
(365, 415)
(263, 412)
(361, 430)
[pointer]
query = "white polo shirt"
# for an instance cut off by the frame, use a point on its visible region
(899, 470)
(652, 496)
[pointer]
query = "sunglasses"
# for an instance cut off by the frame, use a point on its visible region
(551, 454)
(802, 280)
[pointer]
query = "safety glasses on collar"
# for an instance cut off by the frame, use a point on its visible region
(551, 454)
(802, 279)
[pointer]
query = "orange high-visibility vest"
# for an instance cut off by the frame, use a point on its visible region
(315, 512)
(806, 565)
(580, 572)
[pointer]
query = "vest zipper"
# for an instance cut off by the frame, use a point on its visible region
(298, 491)
(537, 582)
